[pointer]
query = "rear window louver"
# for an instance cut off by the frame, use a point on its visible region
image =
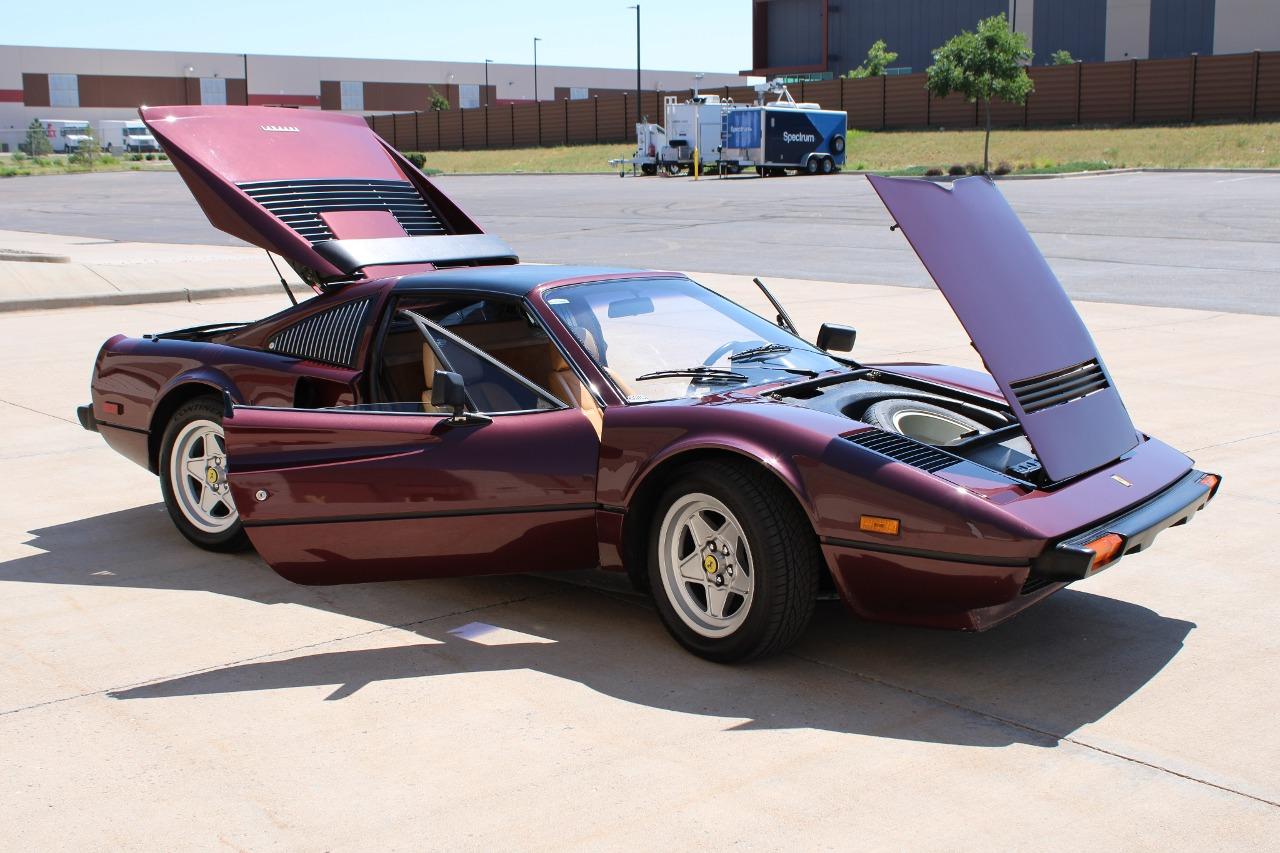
(902, 449)
(1061, 386)
(299, 203)
(330, 336)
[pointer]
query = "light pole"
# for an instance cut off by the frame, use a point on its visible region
(638, 95)
(535, 67)
(487, 63)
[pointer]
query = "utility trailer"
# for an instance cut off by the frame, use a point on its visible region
(786, 135)
(694, 125)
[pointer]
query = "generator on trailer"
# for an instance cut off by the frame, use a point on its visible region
(720, 135)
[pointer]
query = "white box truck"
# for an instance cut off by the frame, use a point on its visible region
(65, 135)
(127, 136)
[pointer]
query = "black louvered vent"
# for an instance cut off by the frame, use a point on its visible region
(330, 336)
(903, 449)
(299, 203)
(1060, 386)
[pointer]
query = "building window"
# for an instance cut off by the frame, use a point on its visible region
(213, 90)
(468, 96)
(352, 95)
(577, 93)
(64, 90)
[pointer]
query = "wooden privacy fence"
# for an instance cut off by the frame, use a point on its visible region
(1243, 86)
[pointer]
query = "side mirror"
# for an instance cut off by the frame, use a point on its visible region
(832, 337)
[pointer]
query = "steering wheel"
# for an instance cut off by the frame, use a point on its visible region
(729, 349)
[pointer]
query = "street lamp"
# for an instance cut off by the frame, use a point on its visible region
(535, 67)
(487, 63)
(638, 94)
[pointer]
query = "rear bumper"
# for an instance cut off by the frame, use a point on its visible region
(85, 415)
(1069, 559)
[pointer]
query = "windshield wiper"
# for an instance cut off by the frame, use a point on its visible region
(707, 374)
(763, 349)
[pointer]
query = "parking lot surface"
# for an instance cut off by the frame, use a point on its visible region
(1191, 240)
(154, 695)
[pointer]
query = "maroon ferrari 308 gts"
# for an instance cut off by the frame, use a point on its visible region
(441, 409)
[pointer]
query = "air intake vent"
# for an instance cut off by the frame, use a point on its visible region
(299, 203)
(330, 336)
(1060, 386)
(903, 449)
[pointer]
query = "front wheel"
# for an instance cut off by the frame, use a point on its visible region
(193, 478)
(733, 562)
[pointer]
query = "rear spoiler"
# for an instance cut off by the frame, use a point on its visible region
(351, 256)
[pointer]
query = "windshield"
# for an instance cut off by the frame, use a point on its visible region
(642, 331)
(135, 131)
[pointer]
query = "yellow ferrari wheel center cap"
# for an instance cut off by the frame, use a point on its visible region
(212, 476)
(709, 563)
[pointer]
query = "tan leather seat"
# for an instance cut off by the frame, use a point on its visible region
(429, 367)
(566, 385)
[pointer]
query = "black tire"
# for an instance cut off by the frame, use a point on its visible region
(828, 165)
(812, 165)
(648, 169)
(784, 555)
(932, 426)
(232, 539)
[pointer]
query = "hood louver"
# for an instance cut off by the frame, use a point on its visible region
(299, 204)
(902, 449)
(1060, 386)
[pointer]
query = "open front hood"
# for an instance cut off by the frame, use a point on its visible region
(1019, 318)
(290, 180)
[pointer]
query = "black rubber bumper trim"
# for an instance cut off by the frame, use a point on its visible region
(422, 516)
(1069, 560)
(84, 414)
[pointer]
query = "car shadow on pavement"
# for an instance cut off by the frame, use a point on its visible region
(1036, 679)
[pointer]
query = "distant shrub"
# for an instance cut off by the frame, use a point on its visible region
(150, 157)
(18, 156)
(933, 172)
(162, 156)
(135, 156)
(955, 169)
(417, 158)
(972, 169)
(1003, 168)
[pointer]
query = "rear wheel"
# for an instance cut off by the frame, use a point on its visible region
(648, 169)
(733, 562)
(812, 165)
(193, 478)
(828, 166)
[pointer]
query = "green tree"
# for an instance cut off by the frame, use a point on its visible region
(38, 143)
(87, 151)
(1061, 57)
(879, 57)
(983, 65)
(439, 103)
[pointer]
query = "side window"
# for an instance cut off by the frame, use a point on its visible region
(493, 345)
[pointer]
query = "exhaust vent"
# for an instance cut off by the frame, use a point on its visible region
(299, 203)
(1061, 386)
(330, 336)
(902, 449)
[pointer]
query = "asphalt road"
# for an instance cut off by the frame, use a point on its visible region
(1191, 240)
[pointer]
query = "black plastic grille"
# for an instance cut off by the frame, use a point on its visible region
(299, 203)
(903, 449)
(1061, 386)
(330, 336)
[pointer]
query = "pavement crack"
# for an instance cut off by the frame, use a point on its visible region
(401, 626)
(38, 412)
(1233, 441)
(1006, 721)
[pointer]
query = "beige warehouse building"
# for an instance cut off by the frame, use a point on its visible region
(77, 83)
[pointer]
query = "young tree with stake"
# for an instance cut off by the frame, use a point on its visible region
(983, 65)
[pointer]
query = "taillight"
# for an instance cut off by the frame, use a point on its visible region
(1212, 481)
(1106, 549)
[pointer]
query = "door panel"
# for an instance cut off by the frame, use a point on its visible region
(362, 496)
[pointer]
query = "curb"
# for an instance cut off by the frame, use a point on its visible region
(41, 303)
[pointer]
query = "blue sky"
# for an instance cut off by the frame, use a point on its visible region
(572, 33)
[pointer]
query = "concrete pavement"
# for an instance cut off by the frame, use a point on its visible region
(155, 695)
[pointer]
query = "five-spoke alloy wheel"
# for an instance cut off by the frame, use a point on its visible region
(733, 561)
(193, 478)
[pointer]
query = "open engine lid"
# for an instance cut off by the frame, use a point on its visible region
(1019, 318)
(291, 180)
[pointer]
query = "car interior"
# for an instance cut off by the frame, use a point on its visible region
(501, 329)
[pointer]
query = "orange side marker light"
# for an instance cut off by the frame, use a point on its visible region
(1106, 549)
(879, 524)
